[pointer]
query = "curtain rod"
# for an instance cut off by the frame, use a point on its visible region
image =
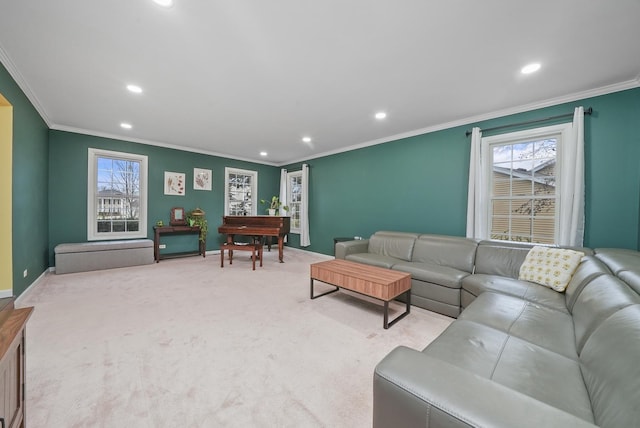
(296, 169)
(560, 116)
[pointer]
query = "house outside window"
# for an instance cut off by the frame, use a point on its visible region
(522, 185)
(241, 189)
(117, 195)
(294, 199)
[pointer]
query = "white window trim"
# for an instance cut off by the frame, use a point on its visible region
(92, 229)
(561, 131)
(291, 175)
(254, 188)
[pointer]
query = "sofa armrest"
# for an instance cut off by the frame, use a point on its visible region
(413, 389)
(343, 249)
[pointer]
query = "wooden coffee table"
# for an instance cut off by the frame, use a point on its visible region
(372, 281)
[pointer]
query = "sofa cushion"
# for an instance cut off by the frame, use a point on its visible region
(412, 389)
(551, 267)
(451, 251)
(602, 297)
(478, 283)
(396, 245)
(632, 278)
(500, 258)
(515, 363)
(537, 324)
(619, 259)
(589, 268)
(373, 259)
(611, 371)
(429, 272)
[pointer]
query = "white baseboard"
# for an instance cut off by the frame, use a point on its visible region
(34, 284)
(309, 252)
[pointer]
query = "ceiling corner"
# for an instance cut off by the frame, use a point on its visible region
(22, 83)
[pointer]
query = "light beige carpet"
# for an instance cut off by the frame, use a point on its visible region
(184, 343)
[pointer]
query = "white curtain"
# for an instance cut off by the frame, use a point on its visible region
(304, 208)
(283, 196)
(572, 184)
(283, 191)
(476, 213)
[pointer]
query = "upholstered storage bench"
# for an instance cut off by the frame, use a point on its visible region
(87, 256)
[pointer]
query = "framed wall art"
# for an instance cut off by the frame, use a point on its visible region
(178, 217)
(201, 179)
(174, 183)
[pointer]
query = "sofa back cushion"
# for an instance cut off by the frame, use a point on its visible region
(501, 258)
(601, 297)
(625, 264)
(393, 244)
(632, 278)
(451, 251)
(589, 268)
(611, 371)
(618, 259)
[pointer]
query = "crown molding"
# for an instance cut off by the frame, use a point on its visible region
(603, 90)
(22, 84)
(153, 143)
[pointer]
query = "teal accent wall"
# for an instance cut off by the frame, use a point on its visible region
(419, 184)
(29, 204)
(68, 187)
(414, 184)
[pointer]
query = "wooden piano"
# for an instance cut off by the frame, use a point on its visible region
(256, 226)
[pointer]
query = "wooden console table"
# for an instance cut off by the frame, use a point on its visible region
(12, 356)
(177, 230)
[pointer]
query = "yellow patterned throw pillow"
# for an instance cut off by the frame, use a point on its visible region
(551, 267)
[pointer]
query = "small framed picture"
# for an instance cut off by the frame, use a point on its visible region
(201, 179)
(178, 217)
(174, 183)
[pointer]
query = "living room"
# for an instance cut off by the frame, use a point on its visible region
(414, 183)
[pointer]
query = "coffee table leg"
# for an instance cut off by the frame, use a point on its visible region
(323, 294)
(386, 315)
(388, 324)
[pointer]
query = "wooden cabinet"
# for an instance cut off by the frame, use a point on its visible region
(12, 353)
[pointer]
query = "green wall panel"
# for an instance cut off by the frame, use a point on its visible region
(68, 187)
(414, 184)
(613, 171)
(30, 174)
(419, 184)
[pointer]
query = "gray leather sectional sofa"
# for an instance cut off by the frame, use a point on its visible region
(437, 264)
(521, 354)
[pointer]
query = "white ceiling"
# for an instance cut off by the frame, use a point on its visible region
(237, 77)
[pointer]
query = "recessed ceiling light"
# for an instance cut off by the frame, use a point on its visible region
(164, 3)
(135, 89)
(381, 115)
(263, 153)
(126, 125)
(306, 139)
(530, 68)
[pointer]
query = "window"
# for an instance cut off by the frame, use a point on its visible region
(522, 184)
(294, 199)
(116, 195)
(240, 193)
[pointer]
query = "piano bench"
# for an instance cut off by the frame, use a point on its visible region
(253, 247)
